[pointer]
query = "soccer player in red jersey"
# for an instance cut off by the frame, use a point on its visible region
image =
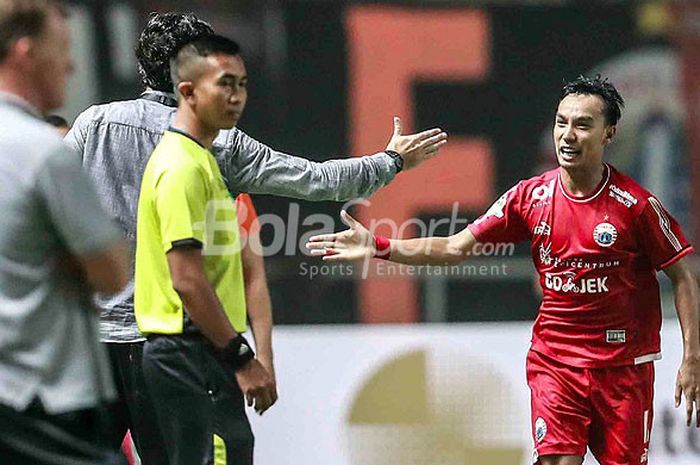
(597, 240)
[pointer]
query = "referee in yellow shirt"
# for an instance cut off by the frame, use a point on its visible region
(189, 288)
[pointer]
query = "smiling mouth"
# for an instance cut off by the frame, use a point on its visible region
(568, 152)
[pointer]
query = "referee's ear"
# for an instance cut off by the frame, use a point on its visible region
(185, 89)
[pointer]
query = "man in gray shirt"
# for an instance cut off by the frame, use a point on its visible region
(116, 140)
(53, 371)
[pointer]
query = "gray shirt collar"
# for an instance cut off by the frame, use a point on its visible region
(166, 98)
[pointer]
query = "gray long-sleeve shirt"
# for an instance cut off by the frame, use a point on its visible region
(116, 140)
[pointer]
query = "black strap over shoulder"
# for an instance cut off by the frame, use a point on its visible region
(163, 99)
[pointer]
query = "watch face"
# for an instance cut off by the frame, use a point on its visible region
(398, 160)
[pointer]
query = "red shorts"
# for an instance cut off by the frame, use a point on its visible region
(607, 409)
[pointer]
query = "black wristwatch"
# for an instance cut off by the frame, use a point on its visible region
(236, 353)
(398, 159)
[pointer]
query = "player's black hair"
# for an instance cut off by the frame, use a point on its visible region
(160, 40)
(614, 103)
(201, 47)
(57, 121)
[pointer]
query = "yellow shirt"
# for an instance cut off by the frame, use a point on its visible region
(184, 198)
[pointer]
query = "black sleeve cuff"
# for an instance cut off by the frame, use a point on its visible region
(190, 243)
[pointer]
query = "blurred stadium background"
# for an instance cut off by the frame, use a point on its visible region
(325, 79)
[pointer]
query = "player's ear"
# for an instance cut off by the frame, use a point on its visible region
(610, 133)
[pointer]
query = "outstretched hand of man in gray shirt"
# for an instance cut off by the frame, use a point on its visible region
(253, 167)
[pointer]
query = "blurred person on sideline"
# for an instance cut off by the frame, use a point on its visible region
(54, 373)
(597, 239)
(59, 122)
(190, 299)
(127, 444)
(115, 141)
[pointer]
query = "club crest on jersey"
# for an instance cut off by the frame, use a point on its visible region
(605, 234)
(540, 429)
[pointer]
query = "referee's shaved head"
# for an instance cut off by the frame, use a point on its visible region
(210, 81)
(189, 62)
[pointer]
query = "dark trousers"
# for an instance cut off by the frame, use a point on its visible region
(199, 406)
(33, 437)
(134, 411)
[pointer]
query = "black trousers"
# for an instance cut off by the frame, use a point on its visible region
(33, 437)
(134, 410)
(200, 408)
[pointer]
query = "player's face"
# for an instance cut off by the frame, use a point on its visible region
(581, 132)
(221, 91)
(51, 63)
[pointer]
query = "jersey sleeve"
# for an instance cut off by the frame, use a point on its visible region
(503, 221)
(661, 236)
(247, 216)
(181, 197)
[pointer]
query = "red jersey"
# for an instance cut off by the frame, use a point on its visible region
(597, 258)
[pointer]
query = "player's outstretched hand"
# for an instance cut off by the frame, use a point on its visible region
(257, 386)
(356, 243)
(416, 148)
(688, 385)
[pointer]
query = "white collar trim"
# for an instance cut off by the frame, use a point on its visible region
(606, 176)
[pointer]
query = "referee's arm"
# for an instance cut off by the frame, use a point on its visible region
(204, 307)
(202, 304)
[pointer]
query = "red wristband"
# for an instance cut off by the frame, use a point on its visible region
(382, 247)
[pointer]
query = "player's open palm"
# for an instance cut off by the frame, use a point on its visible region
(416, 148)
(356, 243)
(688, 386)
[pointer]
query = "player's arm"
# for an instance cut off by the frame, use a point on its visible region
(253, 167)
(258, 301)
(502, 222)
(685, 290)
(663, 242)
(259, 305)
(257, 295)
(358, 243)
